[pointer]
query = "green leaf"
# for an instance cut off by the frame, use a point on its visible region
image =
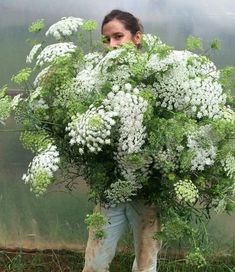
(215, 44)
(36, 26)
(193, 43)
(22, 76)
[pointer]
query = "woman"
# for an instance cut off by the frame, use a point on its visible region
(119, 27)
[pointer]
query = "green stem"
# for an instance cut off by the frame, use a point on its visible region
(90, 40)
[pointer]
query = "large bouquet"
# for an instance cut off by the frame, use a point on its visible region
(153, 123)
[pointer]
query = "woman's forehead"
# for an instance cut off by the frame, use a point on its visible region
(113, 26)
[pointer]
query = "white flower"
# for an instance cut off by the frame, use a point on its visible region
(65, 27)
(151, 40)
(203, 155)
(53, 51)
(92, 129)
(86, 82)
(41, 75)
(15, 101)
(228, 164)
(228, 114)
(41, 169)
(128, 87)
(191, 84)
(33, 52)
(115, 88)
(121, 191)
(186, 191)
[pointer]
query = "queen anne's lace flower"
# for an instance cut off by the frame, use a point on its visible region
(92, 59)
(87, 82)
(121, 191)
(165, 161)
(228, 114)
(65, 27)
(92, 129)
(36, 101)
(189, 84)
(204, 154)
(196, 259)
(117, 66)
(150, 41)
(53, 51)
(186, 191)
(16, 100)
(130, 109)
(40, 76)
(228, 164)
(33, 52)
(41, 169)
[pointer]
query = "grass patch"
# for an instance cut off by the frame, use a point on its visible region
(69, 261)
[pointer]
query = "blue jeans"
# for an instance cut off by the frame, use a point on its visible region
(142, 219)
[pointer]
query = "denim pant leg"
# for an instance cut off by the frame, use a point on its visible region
(144, 223)
(99, 253)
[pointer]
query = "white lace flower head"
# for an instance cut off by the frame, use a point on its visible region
(65, 27)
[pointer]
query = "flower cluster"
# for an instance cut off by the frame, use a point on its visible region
(121, 191)
(15, 101)
(85, 82)
(149, 123)
(228, 164)
(228, 115)
(130, 109)
(120, 65)
(165, 161)
(33, 52)
(36, 26)
(5, 105)
(92, 59)
(91, 129)
(53, 51)
(186, 191)
(196, 259)
(41, 169)
(202, 147)
(41, 75)
(65, 27)
(150, 41)
(191, 84)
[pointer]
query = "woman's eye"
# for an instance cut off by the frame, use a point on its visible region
(118, 37)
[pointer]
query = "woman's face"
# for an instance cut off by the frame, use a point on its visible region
(115, 34)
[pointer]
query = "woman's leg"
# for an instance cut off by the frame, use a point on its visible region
(99, 253)
(144, 223)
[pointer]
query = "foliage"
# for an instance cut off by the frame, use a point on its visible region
(154, 123)
(36, 26)
(70, 261)
(5, 104)
(195, 258)
(95, 222)
(194, 43)
(215, 45)
(22, 76)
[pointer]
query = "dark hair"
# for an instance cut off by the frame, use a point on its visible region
(130, 22)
